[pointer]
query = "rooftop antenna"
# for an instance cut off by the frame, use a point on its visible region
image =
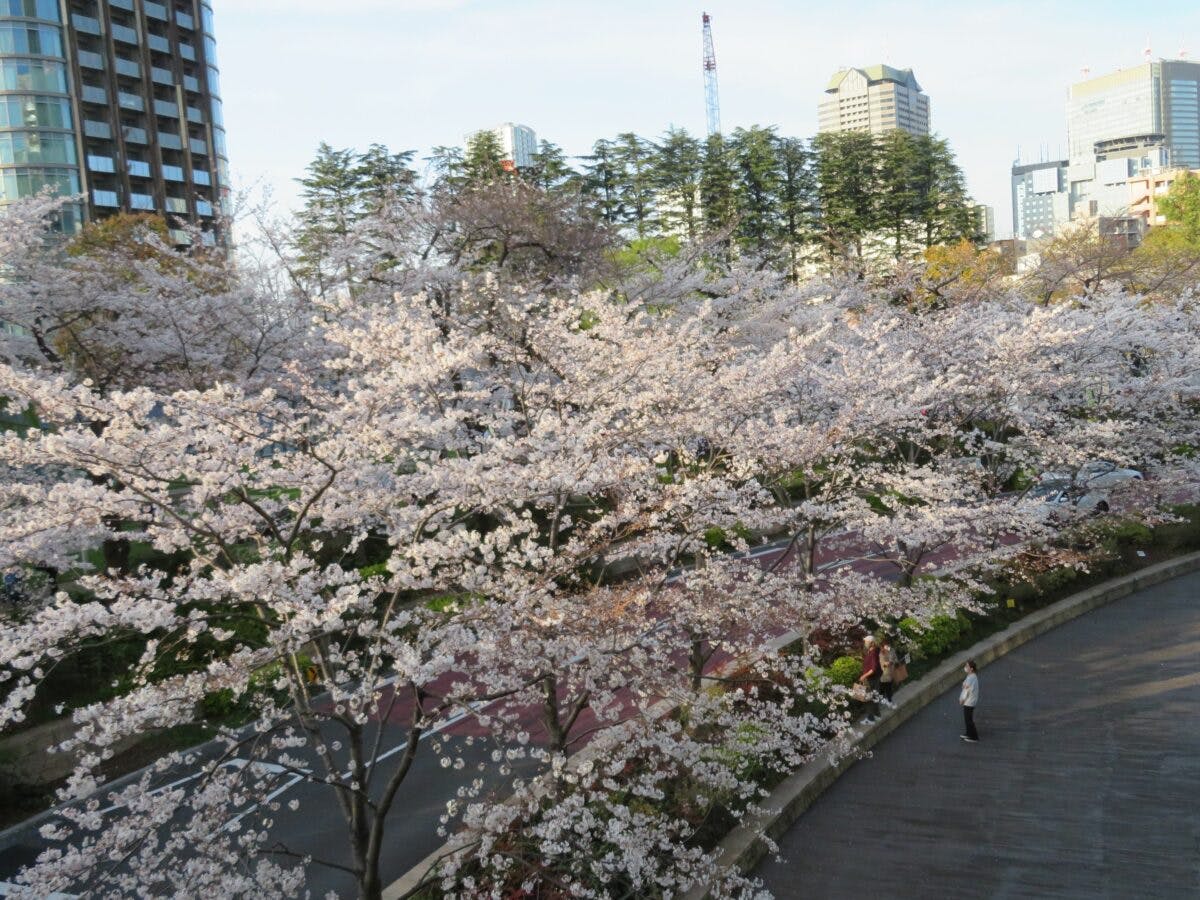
(1148, 53)
(1086, 71)
(1183, 52)
(711, 102)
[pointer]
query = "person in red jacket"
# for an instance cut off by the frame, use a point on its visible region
(871, 673)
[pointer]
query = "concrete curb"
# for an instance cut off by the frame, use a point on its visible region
(742, 848)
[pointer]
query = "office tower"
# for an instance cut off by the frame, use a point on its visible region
(117, 100)
(1040, 198)
(877, 99)
(1136, 111)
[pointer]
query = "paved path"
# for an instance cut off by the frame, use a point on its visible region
(1086, 782)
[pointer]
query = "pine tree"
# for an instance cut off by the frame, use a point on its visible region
(900, 199)
(483, 161)
(756, 166)
(550, 171)
(943, 212)
(797, 217)
(601, 182)
(636, 186)
(847, 189)
(718, 195)
(676, 173)
(382, 175)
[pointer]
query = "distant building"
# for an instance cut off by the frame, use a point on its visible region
(877, 99)
(986, 216)
(519, 143)
(1156, 104)
(1145, 190)
(1128, 124)
(1040, 199)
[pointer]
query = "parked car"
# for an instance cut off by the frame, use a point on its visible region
(1088, 489)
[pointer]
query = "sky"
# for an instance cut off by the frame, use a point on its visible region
(415, 74)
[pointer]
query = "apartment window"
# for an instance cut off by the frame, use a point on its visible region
(141, 201)
(39, 40)
(172, 173)
(138, 168)
(106, 198)
(100, 163)
(124, 34)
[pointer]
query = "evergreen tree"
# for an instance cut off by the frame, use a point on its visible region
(757, 184)
(382, 175)
(796, 220)
(601, 182)
(718, 193)
(636, 185)
(900, 199)
(847, 189)
(676, 173)
(550, 171)
(943, 213)
(484, 160)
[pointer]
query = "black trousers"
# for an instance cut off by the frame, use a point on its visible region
(969, 723)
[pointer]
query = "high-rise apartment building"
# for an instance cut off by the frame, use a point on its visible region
(519, 143)
(877, 99)
(1040, 199)
(116, 100)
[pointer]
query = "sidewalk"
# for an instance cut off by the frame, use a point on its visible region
(1082, 784)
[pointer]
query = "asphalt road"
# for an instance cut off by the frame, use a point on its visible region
(1084, 783)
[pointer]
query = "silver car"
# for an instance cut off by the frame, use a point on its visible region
(1088, 489)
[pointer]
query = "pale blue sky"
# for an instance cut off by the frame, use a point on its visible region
(413, 74)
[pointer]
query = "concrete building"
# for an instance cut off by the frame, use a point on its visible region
(1145, 190)
(117, 100)
(986, 216)
(876, 99)
(519, 143)
(1040, 198)
(1127, 124)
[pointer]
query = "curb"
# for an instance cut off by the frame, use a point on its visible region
(742, 847)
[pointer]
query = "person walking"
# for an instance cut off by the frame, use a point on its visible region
(888, 662)
(871, 673)
(968, 699)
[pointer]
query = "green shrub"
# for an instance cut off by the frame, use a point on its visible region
(937, 638)
(845, 670)
(219, 704)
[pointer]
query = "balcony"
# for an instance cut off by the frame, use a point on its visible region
(85, 24)
(141, 201)
(172, 173)
(100, 163)
(166, 108)
(125, 35)
(135, 135)
(90, 60)
(106, 198)
(158, 42)
(138, 168)
(201, 177)
(169, 141)
(177, 205)
(161, 76)
(198, 146)
(204, 208)
(93, 94)
(131, 101)
(97, 129)
(129, 68)
(155, 10)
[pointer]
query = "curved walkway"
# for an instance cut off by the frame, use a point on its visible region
(1086, 781)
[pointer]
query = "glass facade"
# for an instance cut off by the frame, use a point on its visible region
(128, 88)
(38, 148)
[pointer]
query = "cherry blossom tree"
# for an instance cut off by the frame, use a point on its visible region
(481, 521)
